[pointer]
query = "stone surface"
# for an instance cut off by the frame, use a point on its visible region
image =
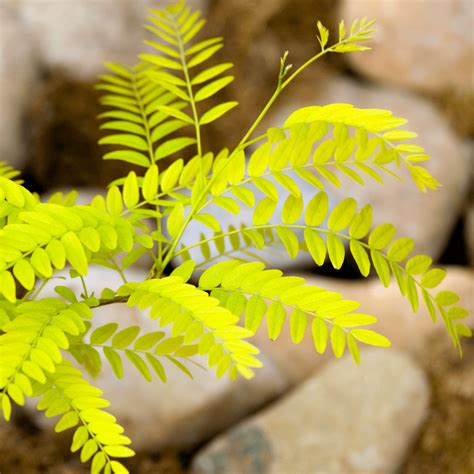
(427, 217)
(446, 440)
(346, 419)
(81, 36)
(18, 72)
(428, 46)
(182, 412)
(407, 331)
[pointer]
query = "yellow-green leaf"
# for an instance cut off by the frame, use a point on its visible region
(212, 88)
(342, 215)
(336, 251)
(25, 274)
(370, 337)
(338, 341)
(317, 209)
(320, 334)
(130, 190)
(381, 236)
(264, 211)
(432, 278)
(292, 209)
(316, 246)
(175, 220)
(298, 323)
(75, 254)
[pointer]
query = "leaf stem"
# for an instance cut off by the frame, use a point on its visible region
(189, 87)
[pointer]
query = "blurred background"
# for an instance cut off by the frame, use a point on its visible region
(410, 411)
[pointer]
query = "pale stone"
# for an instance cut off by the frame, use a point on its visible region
(427, 217)
(407, 331)
(346, 419)
(18, 73)
(80, 36)
(182, 412)
(427, 45)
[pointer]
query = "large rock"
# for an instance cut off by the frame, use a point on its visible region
(446, 439)
(346, 419)
(427, 217)
(182, 412)
(81, 36)
(428, 46)
(18, 72)
(407, 331)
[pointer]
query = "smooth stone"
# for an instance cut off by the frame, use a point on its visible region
(424, 45)
(81, 36)
(427, 217)
(346, 419)
(18, 73)
(183, 412)
(408, 332)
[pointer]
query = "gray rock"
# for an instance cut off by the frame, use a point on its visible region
(182, 412)
(346, 419)
(428, 46)
(427, 217)
(18, 73)
(81, 36)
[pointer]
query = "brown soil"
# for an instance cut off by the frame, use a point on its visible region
(26, 450)
(446, 443)
(256, 33)
(458, 107)
(62, 133)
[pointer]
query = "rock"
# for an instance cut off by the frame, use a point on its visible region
(446, 440)
(346, 419)
(427, 46)
(427, 217)
(18, 72)
(81, 36)
(182, 412)
(407, 331)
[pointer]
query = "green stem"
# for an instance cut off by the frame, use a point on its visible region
(152, 158)
(189, 88)
(325, 231)
(84, 287)
(280, 86)
(118, 269)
